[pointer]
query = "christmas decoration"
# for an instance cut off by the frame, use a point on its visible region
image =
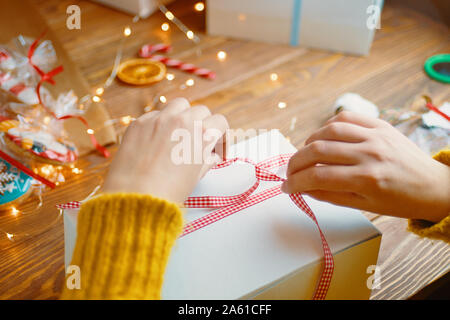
(147, 51)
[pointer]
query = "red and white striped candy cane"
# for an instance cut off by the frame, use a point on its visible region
(148, 51)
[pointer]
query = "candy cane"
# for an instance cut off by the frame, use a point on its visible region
(147, 51)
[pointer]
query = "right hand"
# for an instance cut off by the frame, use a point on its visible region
(366, 163)
(145, 162)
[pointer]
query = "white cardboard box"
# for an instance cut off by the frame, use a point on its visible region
(271, 250)
(336, 25)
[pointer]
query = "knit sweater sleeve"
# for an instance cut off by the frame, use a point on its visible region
(440, 230)
(123, 245)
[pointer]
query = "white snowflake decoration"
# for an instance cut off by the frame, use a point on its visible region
(5, 179)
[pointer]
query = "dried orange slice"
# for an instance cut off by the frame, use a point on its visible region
(141, 71)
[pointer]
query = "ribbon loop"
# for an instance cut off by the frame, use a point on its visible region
(230, 205)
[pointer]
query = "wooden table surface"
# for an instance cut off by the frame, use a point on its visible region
(32, 266)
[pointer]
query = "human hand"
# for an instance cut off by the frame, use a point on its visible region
(149, 160)
(366, 163)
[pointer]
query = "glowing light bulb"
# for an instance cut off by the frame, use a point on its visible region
(282, 105)
(99, 91)
(221, 55)
(76, 170)
(273, 77)
(9, 235)
(90, 131)
(199, 6)
(170, 76)
(46, 170)
(14, 211)
(127, 31)
(190, 35)
(163, 99)
(46, 120)
(96, 98)
(169, 15)
(126, 120)
(165, 26)
(190, 82)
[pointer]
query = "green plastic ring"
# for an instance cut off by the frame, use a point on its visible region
(440, 58)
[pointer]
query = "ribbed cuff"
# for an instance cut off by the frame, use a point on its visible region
(123, 244)
(439, 231)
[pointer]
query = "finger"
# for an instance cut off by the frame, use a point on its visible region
(211, 162)
(326, 178)
(355, 118)
(347, 199)
(176, 106)
(215, 128)
(340, 131)
(148, 115)
(324, 152)
(197, 112)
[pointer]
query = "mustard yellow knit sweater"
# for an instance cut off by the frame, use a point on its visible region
(124, 241)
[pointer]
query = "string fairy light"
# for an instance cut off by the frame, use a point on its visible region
(165, 26)
(14, 211)
(127, 31)
(10, 236)
(99, 91)
(126, 120)
(273, 76)
(171, 17)
(190, 35)
(77, 170)
(221, 55)
(282, 105)
(199, 6)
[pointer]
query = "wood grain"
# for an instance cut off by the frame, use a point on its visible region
(309, 82)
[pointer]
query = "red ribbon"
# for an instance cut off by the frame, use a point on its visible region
(229, 205)
(48, 77)
(25, 169)
(432, 107)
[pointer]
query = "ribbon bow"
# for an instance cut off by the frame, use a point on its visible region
(48, 77)
(228, 205)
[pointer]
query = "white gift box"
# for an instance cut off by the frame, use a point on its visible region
(337, 25)
(271, 250)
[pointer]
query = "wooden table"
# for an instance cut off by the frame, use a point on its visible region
(309, 81)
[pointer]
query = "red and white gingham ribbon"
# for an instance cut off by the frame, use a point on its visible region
(148, 51)
(229, 205)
